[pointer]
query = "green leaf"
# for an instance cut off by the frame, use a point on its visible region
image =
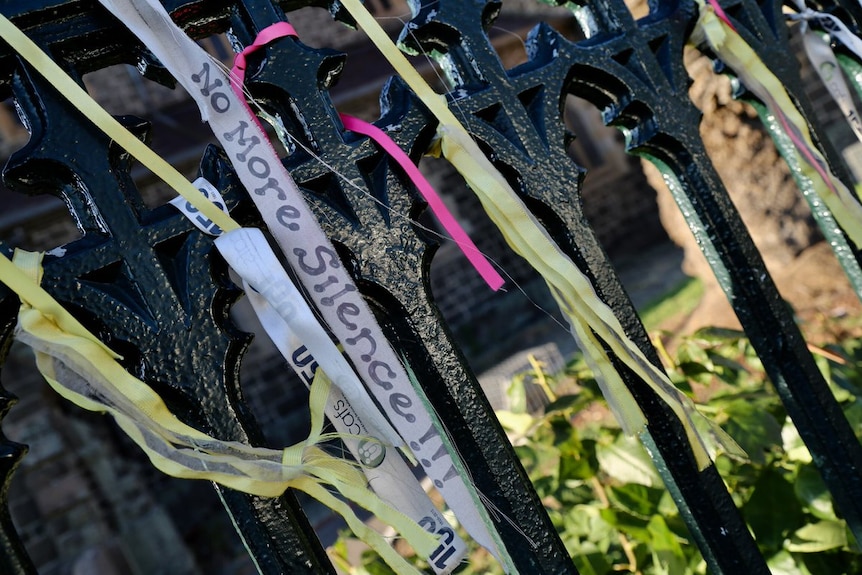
(634, 527)
(566, 403)
(667, 563)
(832, 562)
(843, 380)
(586, 522)
(662, 538)
(594, 563)
(794, 447)
(373, 565)
(627, 461)
(516, 393)
(692, 355)
(517, 423)
(853, 412)
(811, 490)
(772, 511)
(667, 553)
(576, 466)
(817, 537)
(753, 428)
(783, 563)
(667, 506)
(636, 499)
(716, 335)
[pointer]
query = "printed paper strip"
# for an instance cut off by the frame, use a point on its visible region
(387, 474)
(823, 58)
(315, 261)
(86, 372)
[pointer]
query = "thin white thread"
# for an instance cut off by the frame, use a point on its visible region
(495, 512)
(492, 508)
(511, 33)
(407, 218)
(431, 62)
(282, 133)
(230, 73)
(455, 102)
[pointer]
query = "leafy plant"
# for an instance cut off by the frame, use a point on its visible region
(608, 503)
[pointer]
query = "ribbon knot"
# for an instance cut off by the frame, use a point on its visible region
(267, 35)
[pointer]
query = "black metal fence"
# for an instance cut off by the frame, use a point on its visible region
(116, 275)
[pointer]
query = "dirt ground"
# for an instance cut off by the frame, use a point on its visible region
(825, 305)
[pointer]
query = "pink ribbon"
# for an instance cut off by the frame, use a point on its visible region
(791, 132)
(267, 35)
(444, 216)
(719, 11)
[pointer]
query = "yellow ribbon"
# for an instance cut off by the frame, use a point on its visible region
(591, 320)
(86, 372)
(729, 46)
(108, 124)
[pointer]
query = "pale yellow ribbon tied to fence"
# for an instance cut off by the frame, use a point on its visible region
(591, 320)
(715, 30)
(86, 372)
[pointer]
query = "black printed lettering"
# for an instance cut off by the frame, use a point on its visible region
(319, 252)
(301, 357)
(440, 561)
(239, 135)
(220, 102)
(449, 475)
(364, 333)
(376, 365)
(258, 167)
(308, 376)
(344, 309)
(271, 184)
(204, 75)
(283, 213)
(400, 403)
(321, 287)
(330, 300)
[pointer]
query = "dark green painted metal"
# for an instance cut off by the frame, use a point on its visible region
(764, 30)
(516, 114)
(390, 260)
(632, 70)
(638, 79)
(812, 407)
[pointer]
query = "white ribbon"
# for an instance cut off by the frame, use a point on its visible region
(388, 475)
(314, 261)
(823, 58)
(194, 215)
(248, 253)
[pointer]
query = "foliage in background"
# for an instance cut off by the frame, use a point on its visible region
(677, 303)
(607, 501)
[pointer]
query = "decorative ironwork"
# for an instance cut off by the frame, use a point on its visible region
(147, 283)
